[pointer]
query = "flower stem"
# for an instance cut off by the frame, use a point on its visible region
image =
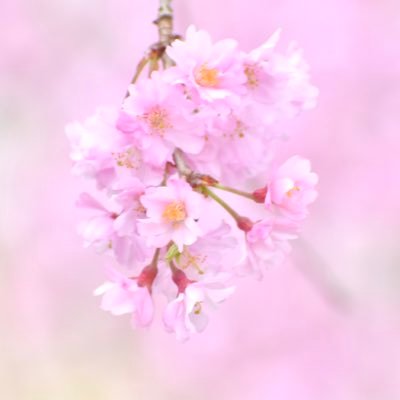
(180, 163)
(165, 9)
(139, 69)
(165, 24)
(233, 190)
(154, 261)
(221, 202)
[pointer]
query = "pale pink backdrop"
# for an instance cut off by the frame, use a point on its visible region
(325, 326)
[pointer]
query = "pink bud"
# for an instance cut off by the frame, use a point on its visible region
(260, 194)
(244, 224)
(180, 279)
(147, 276)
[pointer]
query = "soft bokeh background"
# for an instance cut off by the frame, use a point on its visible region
(325, 325)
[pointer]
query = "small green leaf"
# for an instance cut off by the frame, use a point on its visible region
(172, 252)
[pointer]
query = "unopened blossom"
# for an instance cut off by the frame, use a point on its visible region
(212, 70)
(172, 212)
(186, 314)
(292, 187)
(122, 295)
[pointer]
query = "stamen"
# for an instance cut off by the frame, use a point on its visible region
(130, 158)
(187, 259)
(175, 212)
(158, 120)
(292, 191)
(252, 78)
(237, 132)
(197, 308)
(207, 77)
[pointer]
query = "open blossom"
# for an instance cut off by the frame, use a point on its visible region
(103, 153)
(278, 83)
(242, 143)
(268, 243)
(98, 230)
(186, 314)
(113, 232)
(163, 118)
(172, 212)
(122, 295)
(164, 162)
(292, 187)
(255, 63)
(212, 70)
(210, 254)
(93, 143)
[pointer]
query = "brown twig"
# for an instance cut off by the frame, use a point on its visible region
(165, 24)
(156, 52)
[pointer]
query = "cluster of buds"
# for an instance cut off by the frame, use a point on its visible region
(171, 162)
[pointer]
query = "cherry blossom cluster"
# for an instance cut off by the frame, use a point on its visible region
(188, 194)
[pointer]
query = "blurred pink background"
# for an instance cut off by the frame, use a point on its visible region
(325, 326)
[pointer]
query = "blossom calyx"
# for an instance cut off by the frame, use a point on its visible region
(147, 276)
(260, 194)
(244, 224)
(180, 279)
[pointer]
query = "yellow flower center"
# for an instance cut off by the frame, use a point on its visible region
(175, 212)
(292, 191)
(207, 77)
(252, 79)
(158, 120)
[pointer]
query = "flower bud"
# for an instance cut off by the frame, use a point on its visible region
(244, 224)
(180, 279)
(147, 276)
(260, 194)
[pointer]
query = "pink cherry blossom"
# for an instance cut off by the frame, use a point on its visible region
(113, 232)
(93, 144)
(210, 254)
(129, 247)
(209, 122)
(97, 230)
(172, 213)
(255, 63)
(278, 83)
(243, 146)
(122, 295)
(212, 70)
(162, 119)
(102, 152)
(268, 243)
(185, 314)
(292, 187)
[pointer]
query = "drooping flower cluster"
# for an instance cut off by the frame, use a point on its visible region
(162, 163)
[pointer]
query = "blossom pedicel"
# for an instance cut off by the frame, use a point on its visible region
(161, 163)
